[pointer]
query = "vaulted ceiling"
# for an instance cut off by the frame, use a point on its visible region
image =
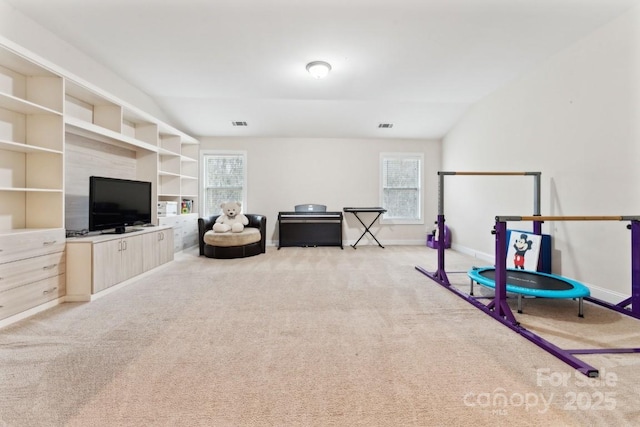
(416, 64)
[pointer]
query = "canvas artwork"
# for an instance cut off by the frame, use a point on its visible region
(523, 250)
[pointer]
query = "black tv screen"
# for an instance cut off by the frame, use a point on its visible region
(116, 203)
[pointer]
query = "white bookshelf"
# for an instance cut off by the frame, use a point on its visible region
(56, 131)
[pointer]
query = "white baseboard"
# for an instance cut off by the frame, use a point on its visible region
(345, 243)
(114, 288)
(30, 312)
(484, 257)
(607, 295)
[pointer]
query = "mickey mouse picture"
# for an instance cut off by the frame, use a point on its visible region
(521, 245)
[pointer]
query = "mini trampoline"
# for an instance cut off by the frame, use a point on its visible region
(532, 283)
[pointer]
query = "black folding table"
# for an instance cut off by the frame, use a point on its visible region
(356, 211)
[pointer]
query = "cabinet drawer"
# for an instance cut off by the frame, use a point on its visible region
(16, 300)
(177, 242)
(18, 273)
(191, 227)
(190, 232)
(189, 240)
(30, 243)
(171, 221)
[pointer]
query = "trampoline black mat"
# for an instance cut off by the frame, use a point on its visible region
(529, 280)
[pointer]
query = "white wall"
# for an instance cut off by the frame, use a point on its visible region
(284, 172)
(575, 118)
(23, 31)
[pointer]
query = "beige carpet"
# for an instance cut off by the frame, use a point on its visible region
(310, 337)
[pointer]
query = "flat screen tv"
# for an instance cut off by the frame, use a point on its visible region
(116, 203)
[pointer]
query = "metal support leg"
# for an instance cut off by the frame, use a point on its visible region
(367, 229)
(520, 303)
(580, 307)
(499, 304)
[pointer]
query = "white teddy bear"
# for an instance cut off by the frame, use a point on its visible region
(231, 218)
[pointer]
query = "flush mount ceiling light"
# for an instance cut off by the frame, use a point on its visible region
(318, 69)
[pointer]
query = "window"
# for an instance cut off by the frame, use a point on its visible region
(401, 187)
(224, 179)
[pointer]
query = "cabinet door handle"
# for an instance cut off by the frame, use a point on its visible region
(49, 267)
(49, 243)
(48, 291)
(124, 245)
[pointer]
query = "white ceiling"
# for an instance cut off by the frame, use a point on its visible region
(418, 64)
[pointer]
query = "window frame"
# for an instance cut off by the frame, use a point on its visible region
(203, 167)
(384, 219)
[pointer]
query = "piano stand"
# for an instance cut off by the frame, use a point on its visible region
(367, 228)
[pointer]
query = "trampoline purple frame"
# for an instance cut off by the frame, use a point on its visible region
(499, 309)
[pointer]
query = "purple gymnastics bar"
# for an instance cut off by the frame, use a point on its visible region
(634, 226)
(502, 312)
(499, 309)
(440, 275)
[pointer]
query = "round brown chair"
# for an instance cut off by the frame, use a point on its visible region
(251, 241)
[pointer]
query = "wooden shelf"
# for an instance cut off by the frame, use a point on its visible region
(18, 105)
(107, 136)
(165, 152)
(26, 148)
(38, 190)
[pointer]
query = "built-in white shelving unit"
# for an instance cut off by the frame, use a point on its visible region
(162, 152)
(32, 264)
(43, 108)
(31, 145)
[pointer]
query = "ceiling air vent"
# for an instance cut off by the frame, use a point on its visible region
(239, 123)
(385, 125)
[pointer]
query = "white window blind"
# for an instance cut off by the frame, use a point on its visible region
(401, 187)
(224, 180)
